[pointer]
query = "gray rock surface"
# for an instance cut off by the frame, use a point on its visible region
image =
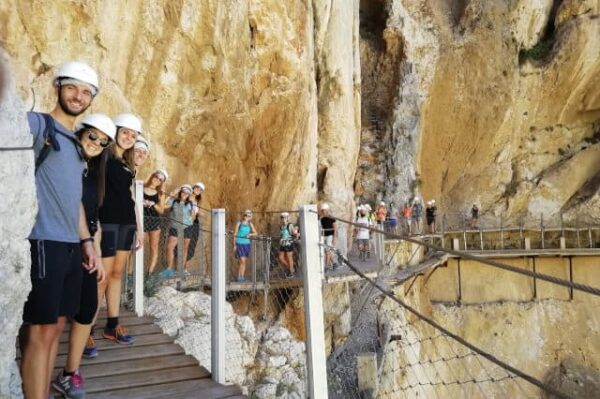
(17, 215)
(271, 367)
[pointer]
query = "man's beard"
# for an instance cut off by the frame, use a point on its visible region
(65, 107)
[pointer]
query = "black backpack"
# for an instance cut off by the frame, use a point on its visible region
(50, 141)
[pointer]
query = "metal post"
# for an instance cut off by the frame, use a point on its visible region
(180, 244)
(590, 237)
(138, 271)
(501, 233)
(217, 311)
(267, 277)
(481, 239)
(542, 229)
(443, 231)
(313, 303)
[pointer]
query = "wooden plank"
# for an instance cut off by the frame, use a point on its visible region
(129, 353)
(106, 345)
(94, 370)
(134, 330)
(131, 380)
(191, 388)
(128, 322)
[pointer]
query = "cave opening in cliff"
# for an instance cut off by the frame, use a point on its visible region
(373, 16)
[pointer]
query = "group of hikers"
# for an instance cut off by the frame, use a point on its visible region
(84, 174)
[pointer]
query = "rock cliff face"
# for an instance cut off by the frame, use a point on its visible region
(258, 99)
(493, 102)
(17, 213)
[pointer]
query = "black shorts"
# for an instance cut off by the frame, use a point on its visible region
(117, 237)
(286, 247)
(151, 223)
(88, 304)
(430, 220)
(55, 281)
(188, 232)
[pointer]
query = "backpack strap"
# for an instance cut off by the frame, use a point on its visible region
(50, 141)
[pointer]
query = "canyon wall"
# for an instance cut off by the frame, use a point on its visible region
(493, 102)
(259, 100)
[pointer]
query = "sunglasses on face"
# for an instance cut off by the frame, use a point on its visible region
(160, 177)
(93, 136)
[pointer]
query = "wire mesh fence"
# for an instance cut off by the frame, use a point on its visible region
(395, 349)
(263, 271)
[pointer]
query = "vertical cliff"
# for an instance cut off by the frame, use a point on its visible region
(258, 99)
(17, 213)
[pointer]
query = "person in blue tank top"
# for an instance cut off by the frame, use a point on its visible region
(244, 229)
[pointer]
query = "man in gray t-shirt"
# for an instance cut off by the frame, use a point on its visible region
(60, 241)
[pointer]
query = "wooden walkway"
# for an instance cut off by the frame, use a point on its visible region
(153, 367)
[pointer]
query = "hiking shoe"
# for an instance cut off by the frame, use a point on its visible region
(186, 273)
(90, 350)
(290, 275)
(71, 386)
(167, 273)
(118, 335)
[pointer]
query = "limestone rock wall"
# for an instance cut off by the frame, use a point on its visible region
(552, 340)
(494, 102)
(17, 213)
(251, 97)
(266, 364)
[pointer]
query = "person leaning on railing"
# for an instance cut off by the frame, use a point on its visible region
(183, 211)
(154, 206)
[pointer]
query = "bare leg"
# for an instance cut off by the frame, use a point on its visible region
(113, 290)
(282, 258)
(171, 243)
(186, 247)
(38, 357)
(290, 261)
(242, 266)
(77, 340)
(153, 239)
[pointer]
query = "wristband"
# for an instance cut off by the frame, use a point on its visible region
(89, 239)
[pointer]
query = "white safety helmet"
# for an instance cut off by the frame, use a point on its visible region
(324, 206)
(129, 121)
(100, 122)
(368, 207)
(247, 212)
(360, 207)
(285, 215)
(187, 188)
(79, 71)
(162, 172)
(433, 201)
(382, 203)
(416, 198)
(201, 185)
(141, 142)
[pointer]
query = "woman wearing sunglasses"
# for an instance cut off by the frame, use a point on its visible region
(154, 207)
(96, 132)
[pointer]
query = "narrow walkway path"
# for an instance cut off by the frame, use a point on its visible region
(153, 367)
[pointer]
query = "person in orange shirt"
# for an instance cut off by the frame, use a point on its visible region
(381, 214)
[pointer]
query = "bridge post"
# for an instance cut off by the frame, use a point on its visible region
(138, 256)
(313, 303)
(217, 311)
